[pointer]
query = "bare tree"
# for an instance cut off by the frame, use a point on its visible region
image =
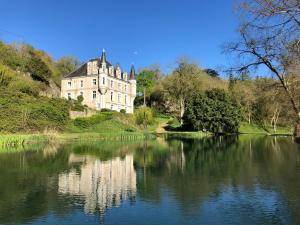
(270, 36)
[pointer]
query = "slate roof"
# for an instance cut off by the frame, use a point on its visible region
(82, 70)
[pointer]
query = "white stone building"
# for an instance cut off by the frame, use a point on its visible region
(101, 85)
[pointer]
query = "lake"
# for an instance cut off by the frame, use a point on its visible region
(232, 180)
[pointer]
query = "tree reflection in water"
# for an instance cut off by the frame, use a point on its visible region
(248, 179)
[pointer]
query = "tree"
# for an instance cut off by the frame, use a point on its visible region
(180, 84)
(270, 36)
(67, 64)
(37, 67)
(145, 80)
(243, 91)
(215, 111)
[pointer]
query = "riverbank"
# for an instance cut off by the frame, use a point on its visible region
(246, 128)
(119, 127)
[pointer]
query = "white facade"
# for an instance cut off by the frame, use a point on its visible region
(101, 85)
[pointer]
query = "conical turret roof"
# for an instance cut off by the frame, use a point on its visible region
(132, 73)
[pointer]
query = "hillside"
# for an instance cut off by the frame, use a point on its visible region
(24, 60)
(29, 82)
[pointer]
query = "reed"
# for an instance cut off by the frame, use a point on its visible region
(14, 140)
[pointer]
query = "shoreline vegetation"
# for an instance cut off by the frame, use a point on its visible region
(108, 126)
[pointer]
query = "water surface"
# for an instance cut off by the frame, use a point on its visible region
(236, 180)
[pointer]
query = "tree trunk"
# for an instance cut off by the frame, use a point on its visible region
(181, 110)
(293, 102)
(249, 118)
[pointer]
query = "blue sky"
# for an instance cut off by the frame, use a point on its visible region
(142, 32)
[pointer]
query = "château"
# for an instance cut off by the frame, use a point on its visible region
(102, 85)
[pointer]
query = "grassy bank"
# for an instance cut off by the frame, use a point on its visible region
(112, 126)
(246, 128)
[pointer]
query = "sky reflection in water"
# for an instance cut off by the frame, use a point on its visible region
(237, 180)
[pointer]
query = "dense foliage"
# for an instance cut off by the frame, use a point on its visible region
(23, 112)
(214, 111)
(22, 109)
(27, 60)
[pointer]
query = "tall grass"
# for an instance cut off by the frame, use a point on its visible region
(109, 136)
(14, 140)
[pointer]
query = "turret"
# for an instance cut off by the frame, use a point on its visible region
(102, 77)
(132, 73)
(132, 82)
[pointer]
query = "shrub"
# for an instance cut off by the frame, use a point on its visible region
(23, 112)
(215, 111)
(80, 99)
(123, 111)
(107, 110)
(144, 115)
(85, 122)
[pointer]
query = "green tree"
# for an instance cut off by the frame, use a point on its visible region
(183, 82)
(146, 81)
(67, 64)
(214, 111)
(37, 68)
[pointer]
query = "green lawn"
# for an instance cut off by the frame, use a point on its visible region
(246, 128)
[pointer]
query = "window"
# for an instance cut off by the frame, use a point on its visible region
(119, 98)
(111, 96)
(94, 94)
(125, 99)
(112, 107)
(69, 96)
(103, 80)
(81, 83)
(119, 86)
(94, 82)
(69, 84)
(111, 84)
(125, 87)
(81, 93)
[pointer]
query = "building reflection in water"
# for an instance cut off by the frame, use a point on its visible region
(102, 184)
